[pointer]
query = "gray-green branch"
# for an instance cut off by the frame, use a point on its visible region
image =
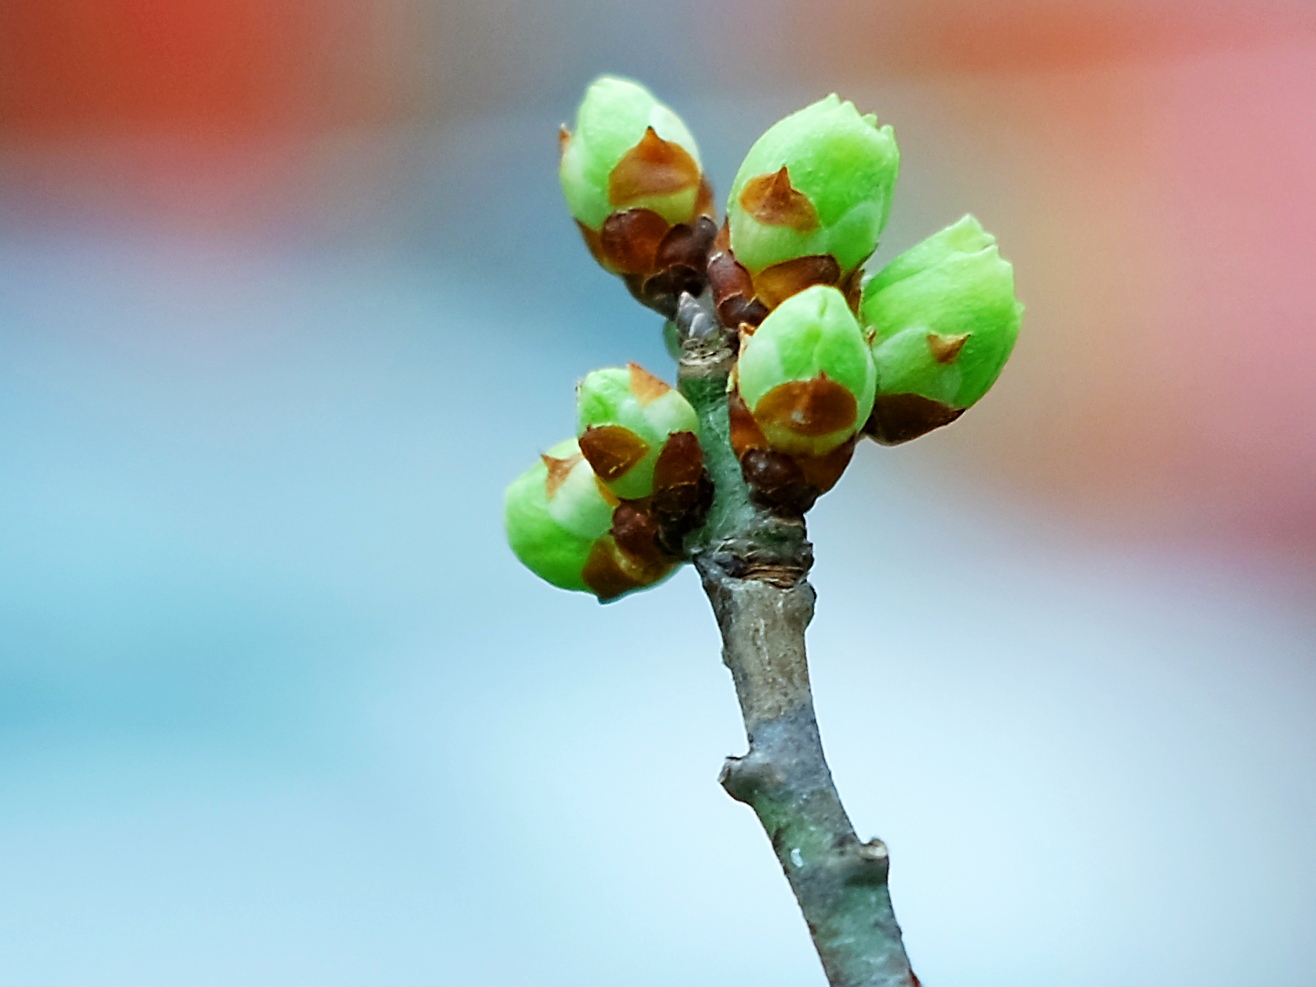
(754, 566)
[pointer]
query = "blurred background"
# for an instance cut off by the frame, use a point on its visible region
(288, 295)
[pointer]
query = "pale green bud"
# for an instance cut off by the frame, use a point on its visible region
(554, 513)
(628, 151)
(806, 373)
(944, 319)
(626, 416)
(571, 531)
(816, 184)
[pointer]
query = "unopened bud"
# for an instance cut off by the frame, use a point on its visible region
(554, 513)
(944, 319)
(569, 530)
(633, 181)
(806, 374)
(627, 417)
(809, 201)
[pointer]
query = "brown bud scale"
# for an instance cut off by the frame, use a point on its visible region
(609, 573)
(733, 288)
(777, 283)
(629, 241)
(612, 450)
(945, 349)
(777, 482)
(635, 531)
(745, 431)
(680, 461)
(644, 385)
(652, 167)
(558, 471)
(822, 472)
(774, 201)
(898, 418)
(808, 407)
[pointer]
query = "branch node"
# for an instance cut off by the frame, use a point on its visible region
(744, 777)
(865, 863)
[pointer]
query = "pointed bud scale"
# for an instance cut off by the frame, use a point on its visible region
(811, 198)
(944, 319)
(633, 181)
(626, 418)
(806, 374)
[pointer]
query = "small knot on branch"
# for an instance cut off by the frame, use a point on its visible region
(744, 777)
(865, 863)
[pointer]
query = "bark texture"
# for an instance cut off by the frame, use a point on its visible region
(754, 564)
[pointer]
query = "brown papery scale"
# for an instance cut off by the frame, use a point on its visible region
(809, 407)
(652, 167)
(635, 531)
(777, 480)
(774, 201)
(646, 387)
(682, 491)
(733, 288)
(558, 471)
(775, 284)
(897, 418)
(612, 450)
(680, 265)
(611, 571)
(630, 240)
(945, 349)
(604, 573)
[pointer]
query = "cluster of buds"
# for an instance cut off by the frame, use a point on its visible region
(824, 354)
(633, 182)
(608, 511)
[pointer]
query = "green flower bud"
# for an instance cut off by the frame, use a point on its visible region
(632, 180)
(806, 373)
(944, 319)
(569, 530)
(628, 151)
(626, 416)
(554, 513)
(814, 193)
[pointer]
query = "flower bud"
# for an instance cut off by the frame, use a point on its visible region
(554, 512)
(569, 530)
(806, 374)
(633, 182)
(810, 200)
(626, 418)
(944, 320)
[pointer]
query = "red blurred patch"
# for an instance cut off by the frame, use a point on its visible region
(207, 65)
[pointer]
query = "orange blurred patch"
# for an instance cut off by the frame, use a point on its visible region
(859, 39)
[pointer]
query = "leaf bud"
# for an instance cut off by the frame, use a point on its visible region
(943, 318)
(633, 181)
(810, 200)
(626, 417)
(806, 374)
